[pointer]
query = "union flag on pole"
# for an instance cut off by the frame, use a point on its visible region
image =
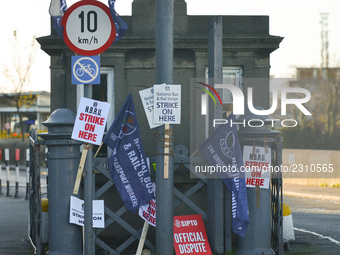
(222, 148)
(128, 166)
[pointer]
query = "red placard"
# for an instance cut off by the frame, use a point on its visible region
(88, 28)
(190, 236)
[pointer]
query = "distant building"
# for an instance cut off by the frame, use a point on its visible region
(34, 109)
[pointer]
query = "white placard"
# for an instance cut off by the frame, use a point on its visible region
(147, 97)
(90, 122)
(167, 104)
(257, 164)
(98, 216)
(77, 212)
(148, 212)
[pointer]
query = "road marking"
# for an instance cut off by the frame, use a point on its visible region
(319, 235)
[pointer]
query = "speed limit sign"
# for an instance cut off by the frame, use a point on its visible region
(88, 28)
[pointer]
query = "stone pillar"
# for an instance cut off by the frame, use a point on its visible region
(63, 159)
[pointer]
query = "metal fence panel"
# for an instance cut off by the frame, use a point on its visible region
(35, 211)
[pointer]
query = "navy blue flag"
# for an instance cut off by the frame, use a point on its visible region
(223, 149)
(120, 24)
(57, 10)
(127, 164)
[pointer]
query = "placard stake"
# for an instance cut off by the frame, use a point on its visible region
(95, 155)
(142, 238)
(81, 168)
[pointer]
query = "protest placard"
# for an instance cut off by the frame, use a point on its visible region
(148, 212)
(190, 236)
(167, 104)
(257, 161)
(147, 97)
(90, 121)
(77, 212)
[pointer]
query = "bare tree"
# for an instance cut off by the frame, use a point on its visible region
(18, 72)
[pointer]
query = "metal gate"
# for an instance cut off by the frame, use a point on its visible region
(191, 197)
(276, 201)
(129, 227)
(122, 229)
(35, 214)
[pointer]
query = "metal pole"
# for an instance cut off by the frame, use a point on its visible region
(215, 188)
(89, 237)
(164, 74)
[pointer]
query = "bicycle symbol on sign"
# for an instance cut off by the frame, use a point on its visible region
(89, 70)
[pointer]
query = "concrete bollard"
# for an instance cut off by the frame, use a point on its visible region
(17, 158)
(7, 171)
(288, 228)
(63, 159)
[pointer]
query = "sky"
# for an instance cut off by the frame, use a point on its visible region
(298, 21)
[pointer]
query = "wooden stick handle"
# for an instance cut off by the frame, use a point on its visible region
(80, 168)
(95, 155)
(142, 238)
(194, 153)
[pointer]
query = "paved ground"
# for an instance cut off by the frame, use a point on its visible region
(14, 225)
(14, 214)
(14, 219)
(316, 217)
(316, 192)
(316, 226)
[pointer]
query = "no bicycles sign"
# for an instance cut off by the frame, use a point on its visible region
(88, 28)
(85, 70)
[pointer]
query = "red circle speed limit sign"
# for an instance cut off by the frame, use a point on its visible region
(88, 27)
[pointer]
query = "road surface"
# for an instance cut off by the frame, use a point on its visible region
(316, 226)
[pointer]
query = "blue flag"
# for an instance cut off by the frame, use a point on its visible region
(223, 149)
(57, 10)
(127, 164)
(120, 24)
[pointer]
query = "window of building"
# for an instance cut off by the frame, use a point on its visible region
(231, 75)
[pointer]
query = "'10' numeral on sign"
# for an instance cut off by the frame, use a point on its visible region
(91, 21)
